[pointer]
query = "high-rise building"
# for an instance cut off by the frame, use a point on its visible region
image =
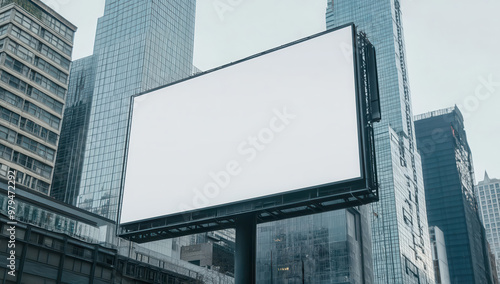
(449, 191)
(439, 257)
(488, 197)
(69, 160)
(139, 45)
(400, 236)
(331, 247)
(35, 47)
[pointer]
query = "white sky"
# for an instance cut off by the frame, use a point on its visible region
(450, 46)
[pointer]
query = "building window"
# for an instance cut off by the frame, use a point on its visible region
(7, 134)
(45, 116)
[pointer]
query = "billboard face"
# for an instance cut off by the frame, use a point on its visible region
(282, 121)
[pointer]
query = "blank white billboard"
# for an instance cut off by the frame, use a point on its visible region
(278, 122)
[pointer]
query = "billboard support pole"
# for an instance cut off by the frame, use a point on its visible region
(245, 253)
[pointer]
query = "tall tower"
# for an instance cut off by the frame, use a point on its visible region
(139, 45)
(35, 56)
(71, 149)
(449, 190)
(488, 199)
(401, 245)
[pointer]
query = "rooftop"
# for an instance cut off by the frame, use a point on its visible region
(488, 180)
(439, 112)
(26, 4)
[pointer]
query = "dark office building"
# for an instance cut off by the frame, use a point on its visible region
(449, 191)
(59, 243)
(43, 256)
(212, 255)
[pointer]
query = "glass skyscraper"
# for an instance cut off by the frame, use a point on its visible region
(488, 199)
(69, 161)
(401, 244)
(449, 190)
(139, 45)
(331, 247)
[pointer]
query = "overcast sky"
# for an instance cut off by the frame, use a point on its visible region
(452, 51)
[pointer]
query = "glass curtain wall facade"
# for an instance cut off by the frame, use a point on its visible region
(139, 45)
(449, 183)
(488, 197)
(400, 237)
(69, 161)
(35, 56)
(331, 247)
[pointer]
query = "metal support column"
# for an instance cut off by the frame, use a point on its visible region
(245, 253)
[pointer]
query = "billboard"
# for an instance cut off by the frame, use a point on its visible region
(279, 122)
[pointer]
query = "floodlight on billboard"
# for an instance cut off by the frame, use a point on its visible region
(284, 127)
